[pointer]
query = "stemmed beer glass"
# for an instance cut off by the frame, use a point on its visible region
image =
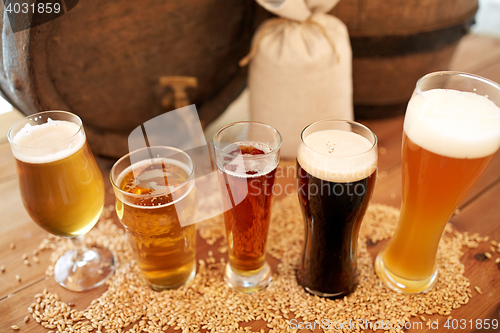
(451, 132)
(63, 191)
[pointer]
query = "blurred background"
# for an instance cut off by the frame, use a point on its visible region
(487, 23)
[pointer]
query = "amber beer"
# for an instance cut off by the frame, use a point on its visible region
(60, 183)
(445, 150)
(156, 201)
(247, 155)
(247, 223)
(336, 173)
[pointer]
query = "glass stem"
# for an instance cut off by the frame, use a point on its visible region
(80, 247)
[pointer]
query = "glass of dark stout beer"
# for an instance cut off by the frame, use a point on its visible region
(336, 171)
(247, 155)
(63, 191)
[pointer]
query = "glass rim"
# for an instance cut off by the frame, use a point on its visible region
(455, 73)
(272, 151)
(375, 141)
(189, 178)
(80, 128)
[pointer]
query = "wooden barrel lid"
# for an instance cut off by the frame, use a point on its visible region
(103, 60)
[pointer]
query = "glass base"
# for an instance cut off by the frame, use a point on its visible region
(248, 283)
(327, 295)
(399, 284)
(94, 268)
(161, 287)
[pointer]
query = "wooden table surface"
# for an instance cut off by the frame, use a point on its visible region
(479, 212)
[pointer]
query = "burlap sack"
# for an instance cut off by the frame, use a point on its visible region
(300, 69)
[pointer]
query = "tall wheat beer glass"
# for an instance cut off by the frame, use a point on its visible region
(336, 173)
(247, 155)
(156, 202)
(63, 191)
(451, 132)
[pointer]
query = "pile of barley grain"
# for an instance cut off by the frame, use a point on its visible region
(207, 303)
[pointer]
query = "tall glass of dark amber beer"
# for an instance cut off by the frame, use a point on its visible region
(156, 202)
(63, 191)
(336, 173)
(451, 132)
(247, 155)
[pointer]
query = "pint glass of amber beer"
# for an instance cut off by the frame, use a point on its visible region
(247, 154)
(156, 202)
(451, 132)
(63, 191)
(336, 173)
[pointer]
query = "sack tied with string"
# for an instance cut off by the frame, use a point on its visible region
(300, 68)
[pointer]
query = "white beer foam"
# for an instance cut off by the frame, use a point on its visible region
(337, 156)
(453, 123)
(48, 142)
(263, 164)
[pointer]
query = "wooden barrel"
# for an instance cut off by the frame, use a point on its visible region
(103, 60)
(395, 43)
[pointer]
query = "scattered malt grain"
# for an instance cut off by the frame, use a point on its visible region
(207, 303)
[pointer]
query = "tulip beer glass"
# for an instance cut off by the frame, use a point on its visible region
(336, 172)
(63, 191)
(156, 202)
(247, 155)
(451, 132)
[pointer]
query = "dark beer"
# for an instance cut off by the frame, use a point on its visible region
(334, 191)
(247, 223)
(333, 216)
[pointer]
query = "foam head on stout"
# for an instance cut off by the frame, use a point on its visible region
(336, 166)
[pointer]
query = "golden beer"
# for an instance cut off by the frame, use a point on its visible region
(451, 132)
(427, 206)
(155, 201)
(63, 191)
